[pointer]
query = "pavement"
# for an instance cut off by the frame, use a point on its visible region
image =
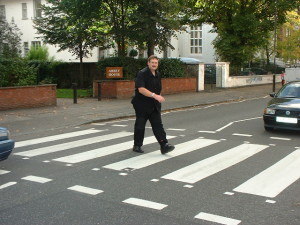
(90, 110)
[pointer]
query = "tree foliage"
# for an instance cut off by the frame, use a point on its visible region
(154, 22)
(242, 25)
(10, 39)
(73, 25)
(289, 39)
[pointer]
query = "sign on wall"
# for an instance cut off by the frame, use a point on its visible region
(114, 72)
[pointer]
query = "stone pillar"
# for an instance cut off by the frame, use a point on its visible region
(200, 80)
(222, 74)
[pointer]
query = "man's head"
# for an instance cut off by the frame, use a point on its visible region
(153, 62)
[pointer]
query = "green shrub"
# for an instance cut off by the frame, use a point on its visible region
(17, 72)
(39, 53)
(171, 68)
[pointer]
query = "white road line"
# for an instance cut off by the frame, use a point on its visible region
(214, 164)
(145, 160)
(55, 137)
(73, 144)
(4, 172)
(145, 203)
(207, 131)
(279, 138)
(275, 179)
(86, 190)
(242, 135)
(217, 219)
(99, 152)
(119, 125)
(222, 128)
(7, 185)
(175, 129)
(37, 179)
(237, 121)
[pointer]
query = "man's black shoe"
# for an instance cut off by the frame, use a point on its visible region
(137, 149)
(165, 148)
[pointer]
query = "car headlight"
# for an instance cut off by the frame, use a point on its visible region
(269, 111)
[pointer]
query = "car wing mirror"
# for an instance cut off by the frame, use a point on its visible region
(273, 94)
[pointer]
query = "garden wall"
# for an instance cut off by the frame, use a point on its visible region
(27, 96)
(122, 89)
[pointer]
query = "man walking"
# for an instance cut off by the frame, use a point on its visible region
(147, 105)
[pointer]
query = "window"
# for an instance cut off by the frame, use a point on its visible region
(35, 44)
(196, 40)
(26, 48)
(2, 12)
(37, 8)
(24, 11)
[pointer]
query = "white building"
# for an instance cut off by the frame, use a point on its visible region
(196, 43)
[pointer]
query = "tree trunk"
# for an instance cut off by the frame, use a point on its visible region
(150, 50)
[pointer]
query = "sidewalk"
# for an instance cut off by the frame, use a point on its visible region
(88, 110)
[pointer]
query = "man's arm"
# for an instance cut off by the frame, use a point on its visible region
(150, 94)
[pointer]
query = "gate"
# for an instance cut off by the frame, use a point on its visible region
(209, 76)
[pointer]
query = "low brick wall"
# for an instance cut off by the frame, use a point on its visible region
(123, 89)
(27, 96)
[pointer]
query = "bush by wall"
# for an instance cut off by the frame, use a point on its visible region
(17, 72)
(131, 66)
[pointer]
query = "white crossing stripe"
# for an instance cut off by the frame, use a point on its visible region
(176, 129)
(86, 190)
(243, 135)
(7, 185)
(280, 138)
(144, 160)
(55, 137)
(37, 179)
(73, 144)
(275, 179)
(217, 219)
(4, 172)
(99, 152)
(145, 203)
(214, 164)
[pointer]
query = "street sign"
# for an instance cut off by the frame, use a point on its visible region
(114, 72)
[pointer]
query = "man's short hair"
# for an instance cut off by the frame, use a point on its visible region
(152, 57)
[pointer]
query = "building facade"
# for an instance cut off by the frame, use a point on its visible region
(195, 43)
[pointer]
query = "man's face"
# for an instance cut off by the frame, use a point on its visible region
(153, 64)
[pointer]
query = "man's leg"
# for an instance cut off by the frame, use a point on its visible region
(139, 129)
(159, 132)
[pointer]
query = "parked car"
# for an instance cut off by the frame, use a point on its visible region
(6, 144)
(283, 111)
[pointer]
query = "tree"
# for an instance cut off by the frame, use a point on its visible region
(73, 25)
(10, 39)
(289, 39)
(154, 22)
(118, 13)
(242, 25)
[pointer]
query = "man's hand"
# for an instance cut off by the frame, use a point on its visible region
(159, 98)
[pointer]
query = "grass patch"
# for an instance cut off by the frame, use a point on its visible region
(68, 93)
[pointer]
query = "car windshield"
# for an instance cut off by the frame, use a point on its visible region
(291, 90)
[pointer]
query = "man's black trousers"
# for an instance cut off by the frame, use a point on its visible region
(156, 123)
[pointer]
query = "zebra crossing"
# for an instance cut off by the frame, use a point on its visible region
(269, 183)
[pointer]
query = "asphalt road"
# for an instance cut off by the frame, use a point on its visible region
(226, 169)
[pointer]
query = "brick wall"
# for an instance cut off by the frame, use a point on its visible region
(122, 89)
(27, 96)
